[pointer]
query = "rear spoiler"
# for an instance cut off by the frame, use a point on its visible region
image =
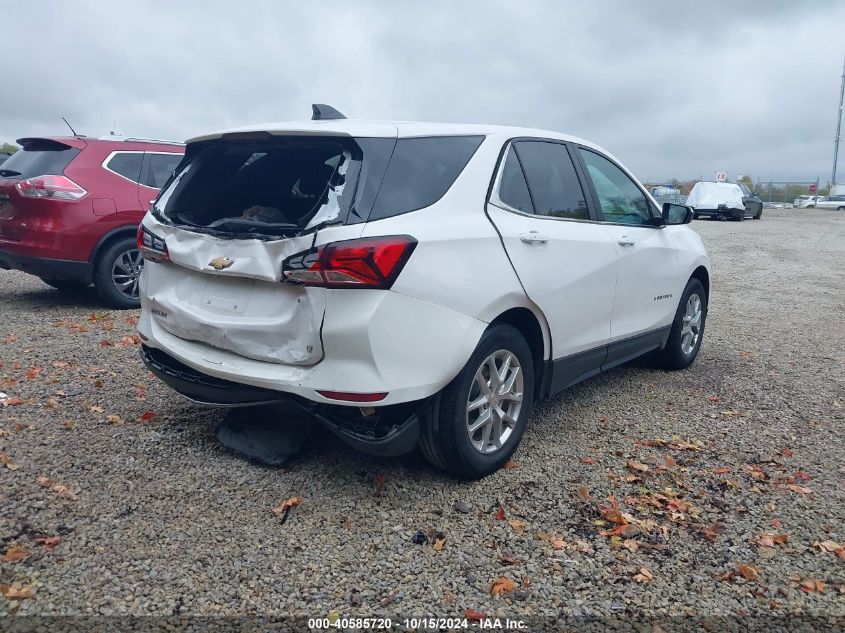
(47, 144)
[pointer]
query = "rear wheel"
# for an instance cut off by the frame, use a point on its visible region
(117, 272)
(65, 287)
(687, 329)
(474, 425)
(759, 213)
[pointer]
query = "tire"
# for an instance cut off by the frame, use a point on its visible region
(114, 261)
(840, 208)
(65, 287)
(444, 435)
(673, 356)
(740, 216)
(694, 216)
(759, 213)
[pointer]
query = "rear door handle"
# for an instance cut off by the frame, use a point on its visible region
(625, 241)
(533, 236)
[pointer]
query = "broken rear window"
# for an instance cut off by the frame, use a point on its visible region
(286, 186)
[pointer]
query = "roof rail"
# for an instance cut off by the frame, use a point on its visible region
(323, 112)
(133, 139)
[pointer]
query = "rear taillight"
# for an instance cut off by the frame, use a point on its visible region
(54, 187)
(352, 397)
(153, 248)
(372, 262)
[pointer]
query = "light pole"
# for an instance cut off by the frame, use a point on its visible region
(838, 126)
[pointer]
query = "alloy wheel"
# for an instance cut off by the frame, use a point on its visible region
(691, 327)
(494, 401)
(126, 271)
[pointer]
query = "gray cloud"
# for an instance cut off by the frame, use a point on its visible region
(672, 88)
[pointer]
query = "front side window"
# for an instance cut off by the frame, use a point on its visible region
(620, 199)
(127, 164)
(159, 168)
(552, 180)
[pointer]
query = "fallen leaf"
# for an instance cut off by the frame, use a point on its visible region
(95, 409)
(17, 591)
(558, 543)
(439, 543)
(49, 541)
(14, 553)
(517, 525)
(114, 419)
(10, 339)
(148, 415)
(11, 402)
(776, 523)
(33, 373)
(285, 506)
(637, 466)
(712, 531)
(644, 575)
(500, 514)
(6, 461)
(787, 452)
(731, 413)
(748, 572)
(65, 491)
(526, 582)
(474, 615)
(832, 547)
(510, 464)
(68, 424)
(800, 489)
(801, 476)
(588, 460)
(507, 559)
(722, 470)
(684, 445)
(812, 585)
(727, 576)
(584, 494)
(501, 585)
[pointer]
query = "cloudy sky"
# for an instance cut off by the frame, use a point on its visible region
(673, 88)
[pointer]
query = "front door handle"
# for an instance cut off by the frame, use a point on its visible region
(533, 236)
(625, 241)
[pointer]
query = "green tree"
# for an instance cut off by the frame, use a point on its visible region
(8, 148)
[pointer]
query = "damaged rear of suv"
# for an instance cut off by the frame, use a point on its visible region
(261, 283)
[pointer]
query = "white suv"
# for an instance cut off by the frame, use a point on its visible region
(411, 283)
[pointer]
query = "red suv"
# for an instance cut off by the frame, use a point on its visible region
(70, 208)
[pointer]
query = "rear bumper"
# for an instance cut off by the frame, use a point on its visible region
(395, 433)
(63, 269)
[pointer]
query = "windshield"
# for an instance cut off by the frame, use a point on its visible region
(275, 188)
(38, 158)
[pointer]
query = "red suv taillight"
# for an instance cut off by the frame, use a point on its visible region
(371, 262)
(55, 187)
(153, 248)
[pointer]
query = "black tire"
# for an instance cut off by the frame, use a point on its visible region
(106, 288)
(759, 213)
(65, 287)
(672, 355)
(739, 216)
(444, 439)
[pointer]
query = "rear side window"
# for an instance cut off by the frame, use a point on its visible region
(126, 164)
(158, 168)
(421, 171)
(552, 180)
(513, 190)
(41, 157)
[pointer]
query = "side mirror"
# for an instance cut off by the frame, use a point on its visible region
(677, 213)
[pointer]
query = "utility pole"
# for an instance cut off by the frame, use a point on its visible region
(838, 126)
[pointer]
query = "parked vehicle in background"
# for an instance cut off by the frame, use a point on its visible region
(335, 264)
(70, 208)
(3, 157)
(753, 203)
(720, 200)
(831, 202)
(805, 202)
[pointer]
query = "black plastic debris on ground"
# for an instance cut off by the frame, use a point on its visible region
(270, 434)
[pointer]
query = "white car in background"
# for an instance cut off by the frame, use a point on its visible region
(411, 283)
(721, 200)
(831, 202)
(805, 202)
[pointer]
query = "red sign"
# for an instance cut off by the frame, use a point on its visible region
(811, 189)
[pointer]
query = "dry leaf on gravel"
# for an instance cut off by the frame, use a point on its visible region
(769, 539)
(831, 546)
(508, 559)
(800, 489)
(14, 553)
(500, 514)
(518, 525)
(439, 542)
(474, 615)
(16, 591)
(644, 575)
(748, 572)
(812, 585)
(284, 507)
(584, 494)
(6, 461)
(501, 585)
(588, 460)
(637, 466)
(49, 541)
(148, 415)
(510, 464)
(114, 419)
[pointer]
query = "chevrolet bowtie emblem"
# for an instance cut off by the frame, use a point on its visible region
(219, 263)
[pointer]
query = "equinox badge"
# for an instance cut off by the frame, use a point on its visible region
(219, 263)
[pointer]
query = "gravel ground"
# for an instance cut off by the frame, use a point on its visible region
(728, 476)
